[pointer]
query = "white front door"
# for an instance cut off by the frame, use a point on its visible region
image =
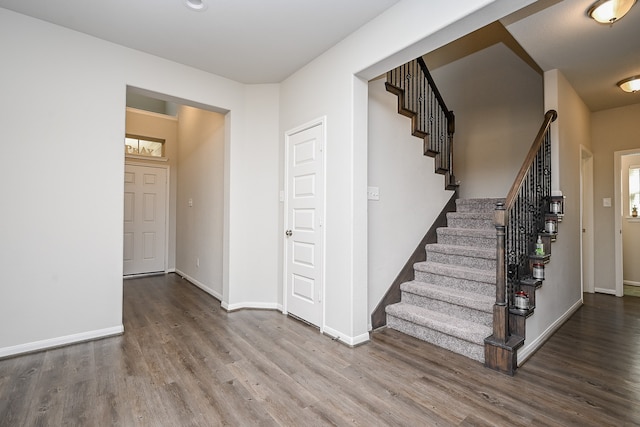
(145, 198)
(304, 234)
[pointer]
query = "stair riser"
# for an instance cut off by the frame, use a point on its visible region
(472, 350)
(464, 313)
(469, 241)
(470, 223)
(461, 260)
(483, 288)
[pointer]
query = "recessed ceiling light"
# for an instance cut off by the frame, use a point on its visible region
(197, 5)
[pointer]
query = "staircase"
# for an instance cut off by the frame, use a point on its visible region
(477, 286)
(450, 301)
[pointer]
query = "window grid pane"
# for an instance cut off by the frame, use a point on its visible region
(634, 189)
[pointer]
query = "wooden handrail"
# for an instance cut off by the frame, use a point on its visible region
(549, 117)
(517, 220)
(436, 92)
(431, 120)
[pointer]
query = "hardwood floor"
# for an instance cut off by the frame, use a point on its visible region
(183, 361)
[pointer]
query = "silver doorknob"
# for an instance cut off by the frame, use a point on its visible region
(288, 233)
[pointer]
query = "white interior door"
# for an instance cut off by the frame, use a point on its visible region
(145, 199)
(304, 215)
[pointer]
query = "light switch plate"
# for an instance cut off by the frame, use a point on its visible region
(606, 202)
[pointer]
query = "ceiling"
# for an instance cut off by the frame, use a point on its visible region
(249, 41)
(593, 57)
(259, 41)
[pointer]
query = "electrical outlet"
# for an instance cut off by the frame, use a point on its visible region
(197, 262)
(373, 193)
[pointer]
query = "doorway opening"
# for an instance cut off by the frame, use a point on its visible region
(627, 222)
(194, 146)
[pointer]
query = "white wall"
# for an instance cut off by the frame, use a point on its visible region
(63, 115)
(64, 118)
(411, 193)
(561, 293)
(612, 130)
(144, 123)
(200, 225)
(498, 103)
(254, 261)
(334, 85)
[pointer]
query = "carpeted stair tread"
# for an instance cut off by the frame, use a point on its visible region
(489, 233)
(456, 271)
(475, 237)
(472, 220)
(470, 251)
(453, 296)
(477, 205)
(444, 323)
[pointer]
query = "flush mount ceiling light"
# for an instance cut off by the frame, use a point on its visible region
(610, 11)
(632, 84)
(197, 5)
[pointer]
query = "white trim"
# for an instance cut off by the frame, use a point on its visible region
(527, 351)
(586, 197)
(61, 341)
(152, 158)
(630, 283)
(345, 339)
(617, 230)
(605, 291)
(217, 295)
(320, 121)
(151, 113)
(138, 276)
(251, 305)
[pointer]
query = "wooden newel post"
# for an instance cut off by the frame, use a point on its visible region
(500, 347)
(501, 308)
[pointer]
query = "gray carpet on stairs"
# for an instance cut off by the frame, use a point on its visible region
(450, 302)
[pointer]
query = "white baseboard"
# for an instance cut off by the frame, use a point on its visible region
(527, 351)
(60, 341)
(345, 339)
(630, 283)
(200, 285)
(249, 304)
(605, 291)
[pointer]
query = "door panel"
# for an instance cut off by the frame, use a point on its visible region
(145, 197)
(304, 246)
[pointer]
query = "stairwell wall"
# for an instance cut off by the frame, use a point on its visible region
(411, 194)
(561, 294)
(334, 86)
(498, 102)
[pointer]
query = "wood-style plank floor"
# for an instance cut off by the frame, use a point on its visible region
(183, 361)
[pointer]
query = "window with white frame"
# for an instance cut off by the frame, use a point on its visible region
(143, 146)
(634, 188)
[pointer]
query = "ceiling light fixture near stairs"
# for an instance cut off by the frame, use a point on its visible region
(197, 5)
(610, 11)
(632, 84)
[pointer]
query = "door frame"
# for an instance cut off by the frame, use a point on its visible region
(586, 221)
(320, 121)
(617, 230)
(128, 162)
